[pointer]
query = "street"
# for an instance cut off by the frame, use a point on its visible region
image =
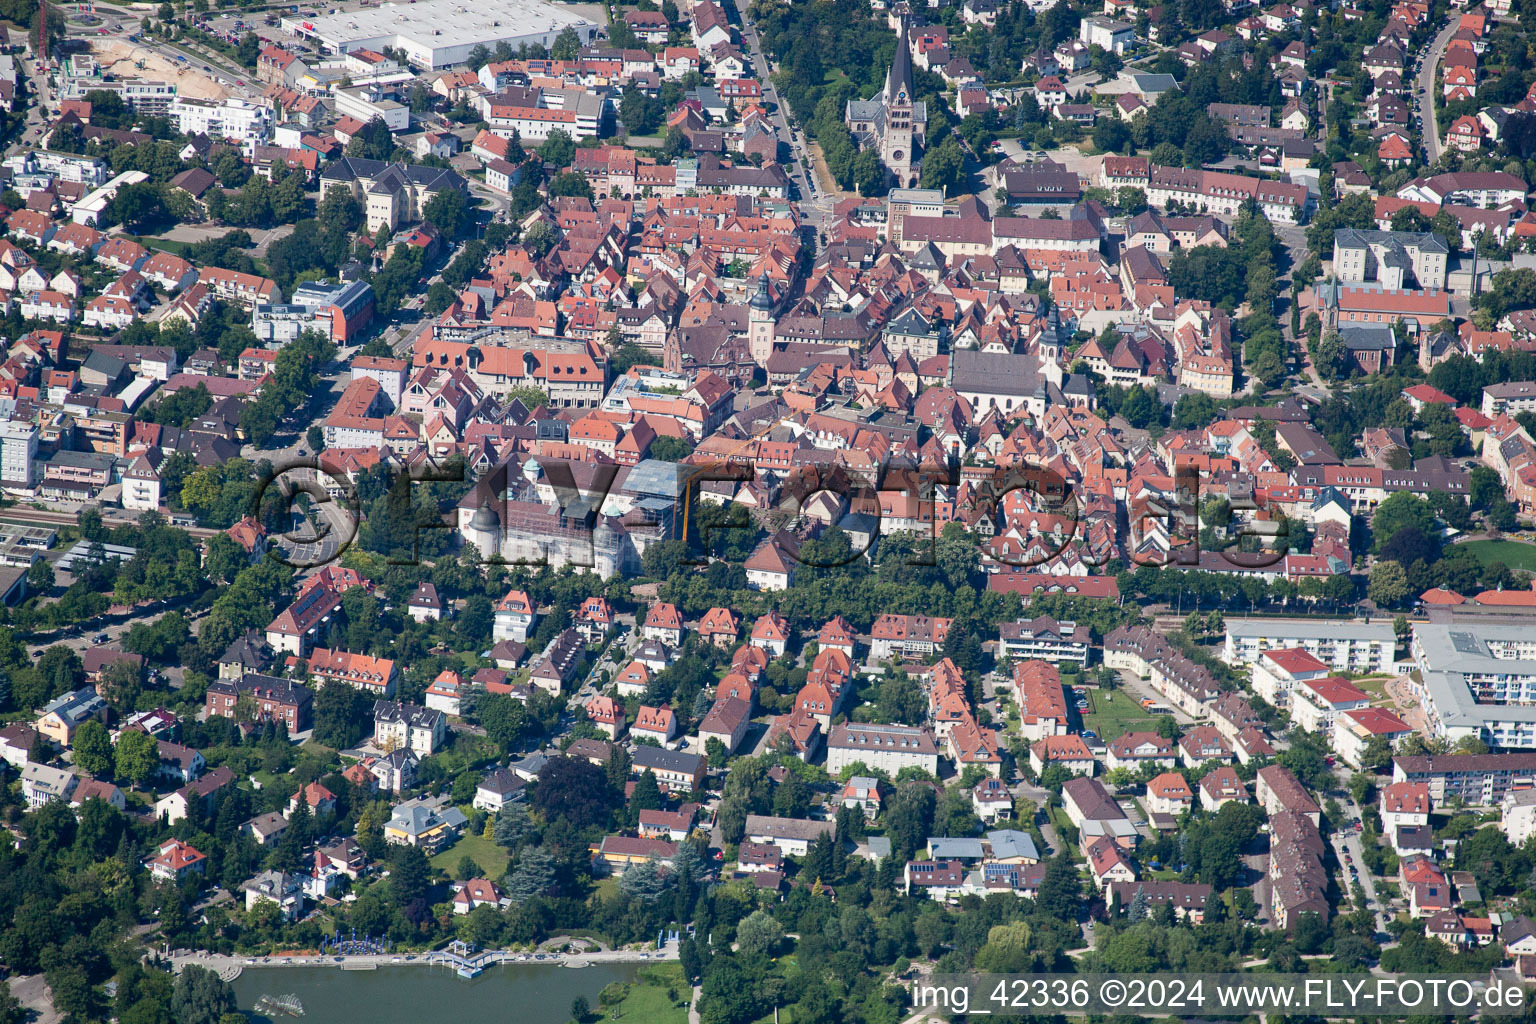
(815, 206)
(1424, 89)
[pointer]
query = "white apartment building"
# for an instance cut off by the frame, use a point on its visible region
(1519, 815)
(401, 726)
(234, 119)
(1404, 805)
(580, 116)
(1315, 703)
(1477, 679)
(141, 482)
(1114, 36)
(1511, 397)
(1277, 672)
(18, 454)
(888, 748)
(1396, 259)
(1354, 646)
(366, 104)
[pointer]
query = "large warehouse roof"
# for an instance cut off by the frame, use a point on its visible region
(441, 24)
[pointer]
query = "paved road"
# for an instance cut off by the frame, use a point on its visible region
(33, 993)
(114, 632)
(315, 544)
(500, 203)
(815, 206)
(1347, 841)
(1424, 89)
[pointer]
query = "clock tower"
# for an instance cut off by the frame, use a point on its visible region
(760, 323)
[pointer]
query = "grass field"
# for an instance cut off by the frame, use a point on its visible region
(1112, 718)
(491, 858)
(1513, 553)
(648, 1001)
(1375, 685)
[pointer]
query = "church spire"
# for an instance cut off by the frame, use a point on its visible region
(764, 298)
(899, 79)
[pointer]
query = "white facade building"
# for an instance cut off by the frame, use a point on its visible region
(1114, 36)
(888, 748)
(441, 33)
(1354, 646)
(234, 119)
(18, 454)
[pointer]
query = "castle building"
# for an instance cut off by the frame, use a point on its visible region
(893, 122)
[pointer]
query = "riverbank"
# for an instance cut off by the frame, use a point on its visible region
(231, 967)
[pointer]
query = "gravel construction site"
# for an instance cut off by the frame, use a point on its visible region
(121, 58)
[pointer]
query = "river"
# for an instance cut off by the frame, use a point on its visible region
(528, 993)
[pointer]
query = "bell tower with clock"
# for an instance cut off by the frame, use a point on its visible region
(896, 140)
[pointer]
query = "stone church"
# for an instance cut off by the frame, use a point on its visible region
(893, 122)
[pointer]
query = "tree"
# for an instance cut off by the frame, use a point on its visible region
(646, 881)
(511, 825)
(1388, 586)
(534, 875)
(572, 790)
(909, 818)
(40, 577)
(93, 748)
(201, 996)
(340, 712)
(448, 210)
(1060, 893)
(504, 719)
(1398, 511)
(1196, 409)
(900, 700)
(868, 175)
(729, 994)
(138, 756)
(646, 795)
(1376, 757)
(559, 149)
(1110, 135)
(944, 166)
(570, 183)
(409, 875)
(1483, 484)
(135, 205)
(566, 45)
(1007, 950)
(669, 449)
(11, 1010)
(759, 932)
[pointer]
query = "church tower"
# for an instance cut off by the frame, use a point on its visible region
(760, 323)
(896, 139)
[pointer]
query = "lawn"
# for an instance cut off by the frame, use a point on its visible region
(491, 858)
(1114, 718)
(1375, 685)
(1513, 553)
(171, 245)
(648, 1001)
